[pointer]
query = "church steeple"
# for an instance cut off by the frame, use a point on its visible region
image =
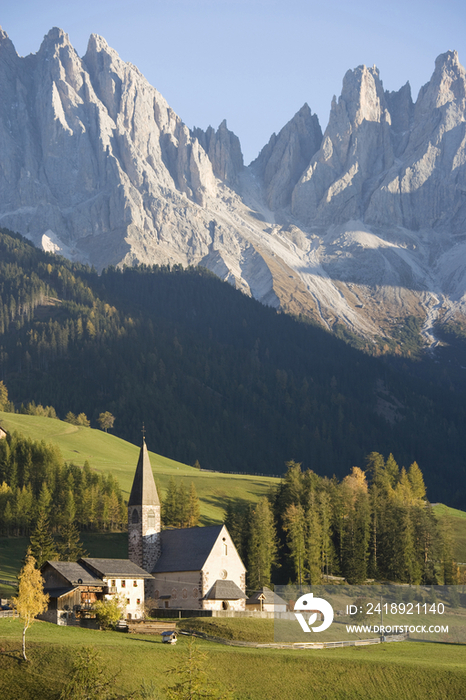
(144, 515)
(144, 491)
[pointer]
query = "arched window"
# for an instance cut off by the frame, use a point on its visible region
(156, 593)
(195, 592)
(185, 593)
(135, 517)
(174, 594)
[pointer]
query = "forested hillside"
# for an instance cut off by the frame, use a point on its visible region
(215, 376)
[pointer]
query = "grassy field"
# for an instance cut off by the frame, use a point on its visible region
(457, 519)
(404, 670)
(105, 452)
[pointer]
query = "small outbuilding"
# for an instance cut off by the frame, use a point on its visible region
(265, 600)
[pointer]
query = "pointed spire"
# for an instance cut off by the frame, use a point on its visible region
(144, 491)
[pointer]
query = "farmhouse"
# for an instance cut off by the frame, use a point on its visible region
(194, 568)
(74, 587)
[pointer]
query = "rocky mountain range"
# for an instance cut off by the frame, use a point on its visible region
(364, 224)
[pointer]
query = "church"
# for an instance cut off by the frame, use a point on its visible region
(195, 568)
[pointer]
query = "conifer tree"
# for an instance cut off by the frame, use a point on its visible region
(295, 527)
(327, 548)
(182, 506)
(3, 396)
(416, 480)
(263, 546)
(88, 680)
(42, 544)
(313, 550)
(192, 682)
(194, 508)
(70, 547)
(169, 505)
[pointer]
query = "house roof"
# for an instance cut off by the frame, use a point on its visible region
(186, 549)
(59, 592)
(267, 596)
(120, 568)
(224, 590)
(74, 572)
(143, 491)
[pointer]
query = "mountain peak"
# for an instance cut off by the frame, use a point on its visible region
(6, 45)
(449, 58)
(55, 37)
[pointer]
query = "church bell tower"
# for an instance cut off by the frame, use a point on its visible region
(144, 523)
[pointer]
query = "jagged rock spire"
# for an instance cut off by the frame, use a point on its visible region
(144, 490)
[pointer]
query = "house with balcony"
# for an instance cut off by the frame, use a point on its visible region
(73, 588)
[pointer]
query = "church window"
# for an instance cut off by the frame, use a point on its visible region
(151, 519)
(185, 593)
(225, 605)
(156, 593)
(195, 592)
(225, 549)
(135, 517)
(174, 594)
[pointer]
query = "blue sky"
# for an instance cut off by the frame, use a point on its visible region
(252, 62)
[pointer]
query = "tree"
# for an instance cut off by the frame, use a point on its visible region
(88, 679)
(42, 544)
(109, 611)
(106, 420)
(193, 683)
(313, 541)
(169, 505)
(194, 508)
(294, 526)
(82, 419)
(70, 547)
(3, 396)
(263, 547)
(31, 600)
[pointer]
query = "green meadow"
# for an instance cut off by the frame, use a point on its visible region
(108, 453)
(405, 670)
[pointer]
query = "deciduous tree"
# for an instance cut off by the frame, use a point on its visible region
(31, 600)
(106, 420)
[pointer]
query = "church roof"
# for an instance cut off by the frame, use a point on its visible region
(186, 549)
(144, 491)
(224, 590)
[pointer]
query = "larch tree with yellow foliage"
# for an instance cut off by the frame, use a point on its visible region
(31, 600)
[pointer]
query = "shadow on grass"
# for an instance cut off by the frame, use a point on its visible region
(238, 505)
